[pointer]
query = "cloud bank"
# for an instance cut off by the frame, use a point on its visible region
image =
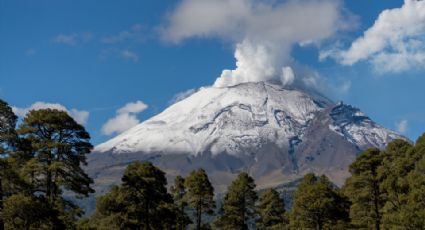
(395, 42)
(263, 32)
(80, 116)
(125, 118)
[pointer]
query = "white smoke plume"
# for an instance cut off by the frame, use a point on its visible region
(263, 32)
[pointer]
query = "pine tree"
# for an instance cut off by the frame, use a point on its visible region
(141, 202)
(364, 190)
(8, 139)
(239, 204)
(29, 212)
(55, 148)
(403, 173)
(59, 146)
(199, 195)
(398, 161)
(178, 191)
(318, 205)
(272, 211)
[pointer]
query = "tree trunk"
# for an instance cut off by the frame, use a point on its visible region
(376, 207)
(1, 205)
(199, 216)
(147, 217)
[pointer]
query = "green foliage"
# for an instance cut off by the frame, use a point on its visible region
(141, 202)
(178, 191)
(8, 135)
(239, 204)
(387, 187)
(29, 212)
(59, 146)
(363, 189)
(199, 195)
(272, 211)
(318, 205)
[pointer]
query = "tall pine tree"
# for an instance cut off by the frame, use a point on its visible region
(239, 204)
(8, 139)
(178, 191)
(364, 190)
(272, 211)
(199, 195)
(141, 202)
(318, 205)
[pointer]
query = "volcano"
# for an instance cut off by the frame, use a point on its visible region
(277, 134)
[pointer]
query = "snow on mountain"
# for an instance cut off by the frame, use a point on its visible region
(230, 119)
(277, 134)
(223, 120)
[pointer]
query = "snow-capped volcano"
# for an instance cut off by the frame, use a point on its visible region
(223, 120)
(275, 133)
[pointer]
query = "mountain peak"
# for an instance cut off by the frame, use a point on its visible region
(275, 133)
(222, 118)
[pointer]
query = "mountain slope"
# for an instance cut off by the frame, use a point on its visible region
(276, 134)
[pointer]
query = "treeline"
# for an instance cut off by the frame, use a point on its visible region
(42, 158)
(386, 191)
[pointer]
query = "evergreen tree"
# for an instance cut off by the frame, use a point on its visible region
(398, 161)
(412, 215)
(8, 139)
(272, 211)
(178, 191)
(318, 205)
(55, 150)
(239, 204)
(59, 146)
(403, 173)
(199, 195)
(146, 190)
(28, 212)
(364, 190)
(141, 202)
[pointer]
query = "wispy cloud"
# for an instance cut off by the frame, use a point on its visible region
(395, 43)
(125, 118)
(120, 53)
(30, 52)
(80, 116)
(130, 55)
(72, 39)
(134, 34)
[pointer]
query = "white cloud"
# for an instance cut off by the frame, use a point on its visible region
(130, 55)
(70, 39)
(135, 33)
(73, 39)
(125, 118)
(80, 116)
(120, 53)
(395, 43)
(401, 126)
(133, 107)
(263, 31)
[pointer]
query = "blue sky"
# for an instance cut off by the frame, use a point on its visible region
(97, 56)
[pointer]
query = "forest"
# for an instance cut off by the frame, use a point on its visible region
(43, 158)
